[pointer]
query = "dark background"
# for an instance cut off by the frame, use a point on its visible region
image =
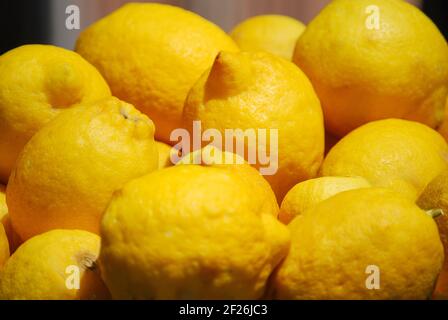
(23, 22)
(26, 21)
(437, 10)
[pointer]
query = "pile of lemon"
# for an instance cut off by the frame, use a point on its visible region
(92, 206)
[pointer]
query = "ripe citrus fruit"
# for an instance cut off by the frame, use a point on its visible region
(375, 59)
(4, 246)
(190, 232)
(259, 91)
(434, 197)
(37, 83)
(165, 152)
(443, 129)
(275, 34)
(151, 55)
(307, 194)
(398, 154)
(5, 220)
(68, 171)
(341, 245)
(46, 267)
(3, 206)
(211, 156)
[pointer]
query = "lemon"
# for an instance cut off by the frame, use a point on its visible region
(434, 197)
(4, 246)
(165, 152)
(259, 91)
(46, 267)
(190, 232)
(275, 34)
(5, 221)
(151, 54)
(443, 129)
(368, 243)
(37, 83)
(211, 156)
(68, 171)
(3, 206)
(397, 154)
(375, 59)
(308, 194)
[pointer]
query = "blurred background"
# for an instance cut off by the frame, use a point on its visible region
(43, 21)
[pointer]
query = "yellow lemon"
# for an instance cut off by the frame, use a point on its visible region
(68, 171)
(308, 194)
(165, 152)
(368, 243)
(375, 59)
(151, 54)
(56, 265)
(190, 232)
(37, 83)
(275, 34)
(5, 221)
(435, 197)
(443, 129)
(3, 206)
(253, 92)
(212, 156)
(4, 246)
(397, 154)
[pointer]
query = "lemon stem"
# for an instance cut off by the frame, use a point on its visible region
(434, 213)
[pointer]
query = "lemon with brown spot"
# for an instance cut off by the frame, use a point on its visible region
(56, 265)
(435, 198)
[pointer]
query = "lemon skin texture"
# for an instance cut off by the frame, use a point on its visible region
(165, 152)
(151, 54)
(189, 232)
(210, 156)
(261, 91)
(433, 198)
(371, 60)
(307, 194)
(333, 244)
(68, 171)
(398, 154)
(276, 34)
(37, 83)
(38, 269)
